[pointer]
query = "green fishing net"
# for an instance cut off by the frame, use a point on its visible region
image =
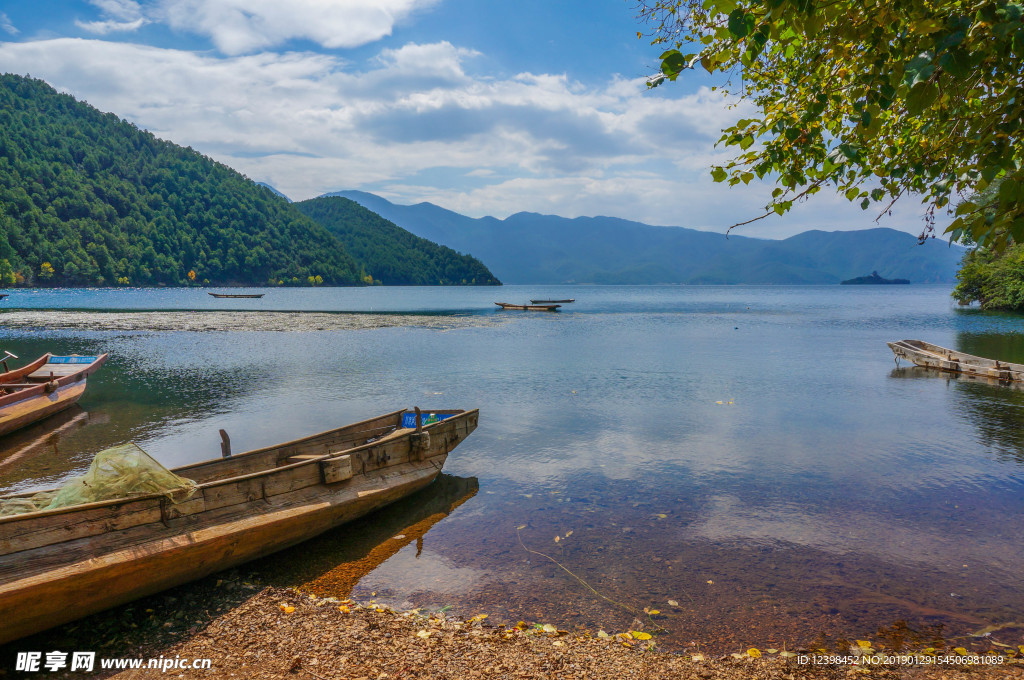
(120, 472)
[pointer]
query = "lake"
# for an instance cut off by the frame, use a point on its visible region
(747, 461)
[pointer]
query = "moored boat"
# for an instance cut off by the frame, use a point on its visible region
(548, 302)
(246, 295)
(60, 564)
(933, 356)
(530, 308)
(44, 387)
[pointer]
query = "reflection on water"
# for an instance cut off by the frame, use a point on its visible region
(746, 452)
(332, 564)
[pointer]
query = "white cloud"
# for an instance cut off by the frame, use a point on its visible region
(6, 25)
(105, 27)
(118, 15)
(415, 124)
(240, 26)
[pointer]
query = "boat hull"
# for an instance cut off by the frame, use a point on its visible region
(529, 308)
(91, 586)
(39, 406)
(928, 355)
(63, 564)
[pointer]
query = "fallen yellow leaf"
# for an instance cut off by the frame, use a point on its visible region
(673, 603)
(697, 657)
(558, 643)
(640, 635)
(568, 533)
(711, 583)
(557, 539)
(864, 644)
(287, 608)
(548, 628)
(654, 612)
(423, 634)
(603, 635)
(960, 650)
(662, 515)
(754, 652)
(343, 609)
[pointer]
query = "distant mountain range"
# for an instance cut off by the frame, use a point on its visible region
(529, 248)
(394, 255)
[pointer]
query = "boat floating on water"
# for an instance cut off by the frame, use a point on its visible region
(933, 356)
(240, 295)
(529, 308)
(547, 302)
(63, 563)
(47, 385)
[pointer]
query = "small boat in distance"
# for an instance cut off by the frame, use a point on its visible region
(547, 302)
(3, 295)
(44, 387)
(928, 355)
(63, 563)
(530, 308)
(248, 295)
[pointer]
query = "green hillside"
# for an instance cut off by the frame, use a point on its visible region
(392, 254)
(89, 199)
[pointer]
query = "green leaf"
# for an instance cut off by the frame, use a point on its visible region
(920, 97)
(719, 174)
(738, 23)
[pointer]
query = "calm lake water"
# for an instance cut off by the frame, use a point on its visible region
(752, 454)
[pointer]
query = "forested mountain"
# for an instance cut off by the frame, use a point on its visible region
(616, 251)
(392, 254)
(89, 199)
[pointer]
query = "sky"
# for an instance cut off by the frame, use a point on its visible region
(484, 107)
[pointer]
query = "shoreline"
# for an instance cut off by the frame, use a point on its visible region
(261, 632)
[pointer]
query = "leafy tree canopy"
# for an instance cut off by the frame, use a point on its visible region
(876, 98)
(995, 280)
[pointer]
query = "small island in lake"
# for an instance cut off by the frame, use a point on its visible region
(874, 279)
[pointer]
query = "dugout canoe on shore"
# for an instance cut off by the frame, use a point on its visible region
(928, 355)
(60, 564)
(46, 386)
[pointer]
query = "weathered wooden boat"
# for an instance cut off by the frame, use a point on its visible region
(61, 564)
(933, 356)
(44, 387)
(548, 302)
(248, 295)
(531, 308)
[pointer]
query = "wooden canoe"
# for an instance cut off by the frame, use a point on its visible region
(249, 295)
(59, 565)
(52, 386)
(548, 302)
(933, 356)
(531, 308)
